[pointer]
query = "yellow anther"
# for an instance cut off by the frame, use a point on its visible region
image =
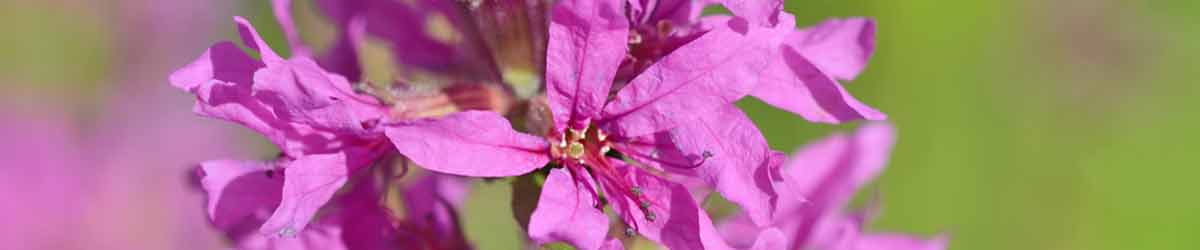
(575, 150)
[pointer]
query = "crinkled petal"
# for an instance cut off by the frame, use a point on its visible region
(238, 190)
(588, 40)
(358, 221)
(309, 182)
(678, 222)
(739, 162)
(294, 103)
(300, 91)
(795, 84)
(566, 212)
(839, 47)
(470, 143)
(714, 70)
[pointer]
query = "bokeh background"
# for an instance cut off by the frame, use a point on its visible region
(1028, 124)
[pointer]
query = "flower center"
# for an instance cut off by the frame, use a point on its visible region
(585, 151)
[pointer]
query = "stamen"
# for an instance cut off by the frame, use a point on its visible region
(636, 191)
(576, 150)
(629, 232)
(650, 216)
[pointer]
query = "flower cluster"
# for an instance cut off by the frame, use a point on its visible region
(621, 106)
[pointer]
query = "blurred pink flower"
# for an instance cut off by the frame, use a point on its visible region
(827, 174)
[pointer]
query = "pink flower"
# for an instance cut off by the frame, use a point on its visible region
(588, 41)
(827, 174)
(325, 129)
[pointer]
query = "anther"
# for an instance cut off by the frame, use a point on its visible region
(650, 216)
(629, 232)
(644, 204)
(706, 154)
(636, 191)
(575, 150)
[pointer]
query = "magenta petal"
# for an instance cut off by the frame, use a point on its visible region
(714, 70)
(251, 38)
(840, 47)
(300, 91)
(237, 190)
(763, 12)
(588, 40)
(828, 172)
(794, 84)
(771, 238)
(739, 165)
(470, 143)
(432, 204)
(678, 221)
(566, 212)
(309, 182)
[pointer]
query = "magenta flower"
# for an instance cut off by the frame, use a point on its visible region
(827, 174)
(694, 84)
(324, 128)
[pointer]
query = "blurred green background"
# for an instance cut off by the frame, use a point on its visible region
(1029, 124)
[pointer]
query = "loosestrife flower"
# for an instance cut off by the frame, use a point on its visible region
(325, 129)
(636, 116)
(697, 81)
(827, 174)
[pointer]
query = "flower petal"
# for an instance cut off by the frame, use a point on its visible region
(714, 70)
(762, 12)
(566, 212)
(795, 84)
(678, 222)
(237, 190)
(829, 172)
(251, 39)
(432, 203)
(739, 163)
(840, 47)
(300, 91)
(470, 143)
(771, 238)
(588, 40)
(309, 182)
